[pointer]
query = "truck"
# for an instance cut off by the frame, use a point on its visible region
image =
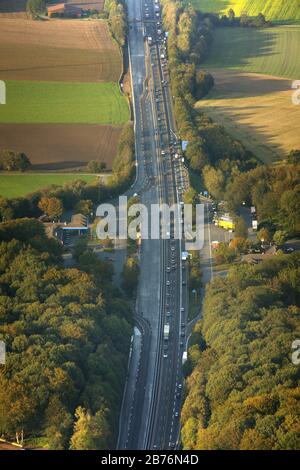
(224, 221)
(184, 357)
(166, 331)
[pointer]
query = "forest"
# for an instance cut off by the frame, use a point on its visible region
(242, 388)
(67, 334)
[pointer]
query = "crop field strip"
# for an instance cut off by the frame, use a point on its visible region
(77, 51)
(269, 51)
(18, 185)
(62, 146)
(33, 102)
(273, 9)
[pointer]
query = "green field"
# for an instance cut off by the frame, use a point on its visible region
(16, 185)
(273, 9)
(34, 102)
(274, 51)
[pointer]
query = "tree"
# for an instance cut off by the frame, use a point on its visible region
(279, 237)
(290, 208)
(51, 206)
(204, 83)
(130, 275)
(241, 229)
(294, 157)
(231, 15)
(35, 8)
(264, 235)
(12, 161)
(214, 181)
(191, 197)
(85, 207)
(90, 432)
(95, 166)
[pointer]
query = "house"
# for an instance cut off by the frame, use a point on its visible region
(64, 9)
(67, 232)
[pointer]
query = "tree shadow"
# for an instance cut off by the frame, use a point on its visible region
(239, 46)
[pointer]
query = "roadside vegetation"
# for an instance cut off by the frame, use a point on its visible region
(273, 9)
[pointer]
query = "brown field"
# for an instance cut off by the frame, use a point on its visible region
(257, 110)
(61, 146)
(58, 50)
(17, 8)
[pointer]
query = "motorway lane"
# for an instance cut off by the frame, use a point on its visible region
(148, 302)
(153, 403)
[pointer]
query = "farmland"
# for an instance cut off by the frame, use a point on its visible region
(273, 9)
(259, 51)
(257, 110)
(58, 50)
(17, 185)
(64, 107)
(62, 102)
(62, 146)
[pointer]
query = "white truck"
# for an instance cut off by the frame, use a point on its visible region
(166, 331)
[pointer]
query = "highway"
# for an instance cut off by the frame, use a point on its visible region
(153, 394)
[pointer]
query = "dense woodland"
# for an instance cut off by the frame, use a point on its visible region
(67, 333)
(243, 391)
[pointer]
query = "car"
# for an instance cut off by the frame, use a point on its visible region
(182, 334)
(182, 309)
(178, 395)
(176, 414)
(172, 445)
(181, 344)
(168, 283)
(182, 325)
(184, 283)
(168, 269)
(168, 314)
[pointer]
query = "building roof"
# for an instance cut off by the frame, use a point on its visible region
(55, 8)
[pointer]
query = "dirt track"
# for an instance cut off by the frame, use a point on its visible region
(57, 147)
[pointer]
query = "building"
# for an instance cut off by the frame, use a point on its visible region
(66, 232)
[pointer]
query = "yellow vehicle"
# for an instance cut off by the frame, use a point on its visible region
(225, 222)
